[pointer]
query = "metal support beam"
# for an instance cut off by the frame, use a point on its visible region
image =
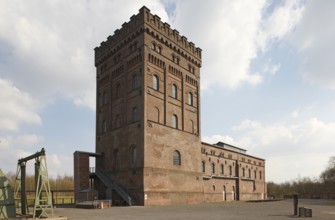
(23, 189)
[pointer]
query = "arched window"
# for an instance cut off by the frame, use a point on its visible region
(190, 98)
(174, 91)
(176, 158)
(203, 166)
(192, 126)
(174, 121)
(222, 169)
(157, 114)
(135, 114)
(213, 167)
(135, 83)
(155, 82)
(133, 154)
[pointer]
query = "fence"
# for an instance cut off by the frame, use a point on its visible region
(59, 197)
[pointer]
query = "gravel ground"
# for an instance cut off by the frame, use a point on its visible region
(322, 209)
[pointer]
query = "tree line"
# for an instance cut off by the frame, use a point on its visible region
(317, 188)
(64, 182)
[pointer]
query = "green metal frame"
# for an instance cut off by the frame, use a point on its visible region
(42, 205)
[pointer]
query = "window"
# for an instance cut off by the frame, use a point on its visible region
(243, 172)
(133, 154)
(255, 174)
(230, 171)
(104, 126)
(260, 175)
(190, 98)
(176, 158)
(192, 126)
(249, 172)
(155, 82)
(153, 47)
(104, 98)
(213, 168)
(174, 121)
(222, 169)
(135, 83)
(159, 49)
(203, 166)
(213, 187)
(174, 91)
(135, 114)
(156, 118)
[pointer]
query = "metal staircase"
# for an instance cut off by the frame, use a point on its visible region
(109, 182)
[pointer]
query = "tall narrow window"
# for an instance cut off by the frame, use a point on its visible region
(255, 174)
(203, 166)
(192, 126)
(104, 98)
(133, 154)
(243, 172)
(260, 175)
(104, 126)
(230, 170)
(249, 173)
(135, 114)
(174, 91)
(155, 82)
(222, 169)
(157, 114)
(176, 158)
(135, 83)
(174, 121)
(190, 98)
(213, 168)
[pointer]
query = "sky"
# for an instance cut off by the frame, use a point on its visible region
(267, 77)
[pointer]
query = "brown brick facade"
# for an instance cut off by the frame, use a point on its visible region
(148, 121)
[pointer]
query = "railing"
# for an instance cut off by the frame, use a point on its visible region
(59, 197)
(110, 182)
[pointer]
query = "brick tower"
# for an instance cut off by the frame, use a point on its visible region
(148, 114)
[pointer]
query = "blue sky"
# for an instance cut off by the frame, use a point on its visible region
(267, 77)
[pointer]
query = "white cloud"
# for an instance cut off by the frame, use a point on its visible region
(47, 47)
(314, 38)
(290, 149)
(234, 33)
(16, 107)
(14, 147)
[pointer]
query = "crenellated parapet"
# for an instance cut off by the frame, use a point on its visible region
(163, 32)
(151, 24)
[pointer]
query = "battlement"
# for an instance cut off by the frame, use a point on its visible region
(144, 21)
(173, 35)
